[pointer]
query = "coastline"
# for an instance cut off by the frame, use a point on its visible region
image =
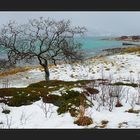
(123, 38)
(99, 57)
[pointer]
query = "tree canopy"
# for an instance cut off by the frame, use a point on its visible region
(47, 40)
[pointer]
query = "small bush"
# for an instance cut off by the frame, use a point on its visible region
(132, 111)
(118, 104)
(3, 101)
(1, 123)
(72, 76)
(69, 101)
(92, 90)
(23, 99)
(122, 124)
(6, 111)
(50, 98)
(32, 93)
(59, 83)
(107, 69)
(84, 121)
(21, 96)
(74, 112)
(125, 84)
(104, 122)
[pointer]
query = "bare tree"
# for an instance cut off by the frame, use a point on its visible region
(4, 107)
(138, 89)
(103, 86)
(4, 64)
(46, 108)
(82, 107)
(5, 83)
(23, 118)
(127, 93)
(8, 121)
(45, 40)
(103, 93)
(131, 78)
(110, 97)
(132, 100)
(118, 92)
(99, 103)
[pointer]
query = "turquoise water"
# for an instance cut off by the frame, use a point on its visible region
(93, 45)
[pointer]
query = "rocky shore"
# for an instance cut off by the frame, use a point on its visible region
(133, 38)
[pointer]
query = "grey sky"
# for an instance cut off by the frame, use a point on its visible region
(97, 23)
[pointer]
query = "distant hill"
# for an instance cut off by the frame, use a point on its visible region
(135, 38)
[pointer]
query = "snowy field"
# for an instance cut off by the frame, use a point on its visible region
(116, 68)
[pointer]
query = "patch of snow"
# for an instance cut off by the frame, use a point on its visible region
(120, 68)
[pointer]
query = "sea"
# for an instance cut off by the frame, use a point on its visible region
(95, 45)
(92, 46)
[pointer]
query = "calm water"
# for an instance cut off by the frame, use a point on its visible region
(92, 45)
(95, 45)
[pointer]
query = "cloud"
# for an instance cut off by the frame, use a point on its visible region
(121, 23)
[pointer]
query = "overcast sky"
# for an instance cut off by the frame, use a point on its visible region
(97, 23)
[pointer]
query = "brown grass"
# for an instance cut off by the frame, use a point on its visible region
(84, 121)
(121, 124)
(21, 69)
(91, 90)
(133, 111)
(132, 49)
(103, 123)
(15, 70)
(118, 104)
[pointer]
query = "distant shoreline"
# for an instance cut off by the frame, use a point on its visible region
(134, 38)
(101, 56)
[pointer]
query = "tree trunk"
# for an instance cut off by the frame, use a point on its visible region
(47, 73)
(46, 70)
(44, 64)
(138, 99)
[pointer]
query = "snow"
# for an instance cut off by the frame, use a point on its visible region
(77, 89)
(121, 67)
(32, 116)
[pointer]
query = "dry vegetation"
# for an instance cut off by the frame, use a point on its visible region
(132, 49)
(20, 69)
(16, 70)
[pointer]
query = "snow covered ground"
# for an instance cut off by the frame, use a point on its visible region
(117, 68)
